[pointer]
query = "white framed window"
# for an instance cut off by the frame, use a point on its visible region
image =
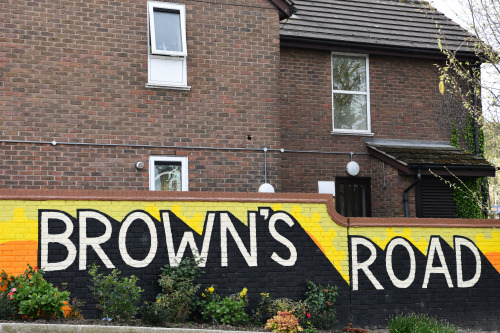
(168, 173)
(167, 49)
(350, 94)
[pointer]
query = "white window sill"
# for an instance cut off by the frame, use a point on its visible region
(354, 133)
(160, 86)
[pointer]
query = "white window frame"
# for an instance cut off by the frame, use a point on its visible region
(366, 132)
(184, 169)
(163, 56)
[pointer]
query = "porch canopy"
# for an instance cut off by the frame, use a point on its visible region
(431, 157)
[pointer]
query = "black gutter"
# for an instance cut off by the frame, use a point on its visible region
(311, 43)
(405, 193)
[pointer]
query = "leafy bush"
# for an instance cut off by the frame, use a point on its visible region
(350, 329)
(178, 290)
(320, 302)
(116, 296)
(263, 310)
(283, 322)
(229, 310)
(153, 313)
(267, 307)
(7, 308)
(32, 295)
(418, 323)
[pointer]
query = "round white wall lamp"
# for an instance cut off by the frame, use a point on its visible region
(352, 168)
(266, 188)
(139, 165)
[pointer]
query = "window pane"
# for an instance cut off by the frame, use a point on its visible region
(349, 112)
(349, 73)
(168, 35)
(168, 176)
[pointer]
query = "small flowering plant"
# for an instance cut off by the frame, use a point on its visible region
(227, 310)
(13, 290)
(32, 295)
(320, 301)
(283, 322)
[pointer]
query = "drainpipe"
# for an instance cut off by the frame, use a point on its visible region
(405, 193)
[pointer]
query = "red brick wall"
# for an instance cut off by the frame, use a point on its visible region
(404, 98)
(75, 71)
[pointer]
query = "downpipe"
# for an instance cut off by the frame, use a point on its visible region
(405, 193)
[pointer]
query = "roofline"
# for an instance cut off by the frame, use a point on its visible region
(330, 45)
(286, 8)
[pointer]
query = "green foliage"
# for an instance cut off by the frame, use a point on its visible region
(283, 322)
(178, 289)
(320, 301)
(228, 310)
(263, 311)
(187, 270)
(470, 193)
(350, 329)
(267, 308)
(418, 323)
(153, 313)
(7, 308)
(467, 193)
(33, 296)
(116, 296)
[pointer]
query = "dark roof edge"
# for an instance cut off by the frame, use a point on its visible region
(286, 8)
(441, 170)
(319, 44)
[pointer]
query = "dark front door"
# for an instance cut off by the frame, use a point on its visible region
(352, 197)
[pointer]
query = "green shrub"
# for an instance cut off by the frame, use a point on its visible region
(33, 296)
(320, 302)
(228, 310)
(418, 323)
(267, 308)
(116, 296)
(7, 308)
(283, 322)
(153, 313)
(178, 290)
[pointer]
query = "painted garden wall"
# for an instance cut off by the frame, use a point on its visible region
(265, 242)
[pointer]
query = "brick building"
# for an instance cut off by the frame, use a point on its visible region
(225, 96)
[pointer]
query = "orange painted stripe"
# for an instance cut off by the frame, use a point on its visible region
(16, 255)
(494, 259)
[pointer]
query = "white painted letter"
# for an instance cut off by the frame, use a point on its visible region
(272, 229)
(356, 266)
(459, 242)
(388, 263)
(123, 236)
(63, 239)
(435, 246)
(188, 238)
(95, 241)
(227, 225)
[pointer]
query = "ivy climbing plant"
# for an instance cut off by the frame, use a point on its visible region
(470, 193)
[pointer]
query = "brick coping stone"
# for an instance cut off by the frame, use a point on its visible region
(61, 328)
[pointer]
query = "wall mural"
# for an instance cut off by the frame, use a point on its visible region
(266, 247)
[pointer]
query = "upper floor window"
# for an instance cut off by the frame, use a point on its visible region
(167, 45)
(168, 173)
(350, 94)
